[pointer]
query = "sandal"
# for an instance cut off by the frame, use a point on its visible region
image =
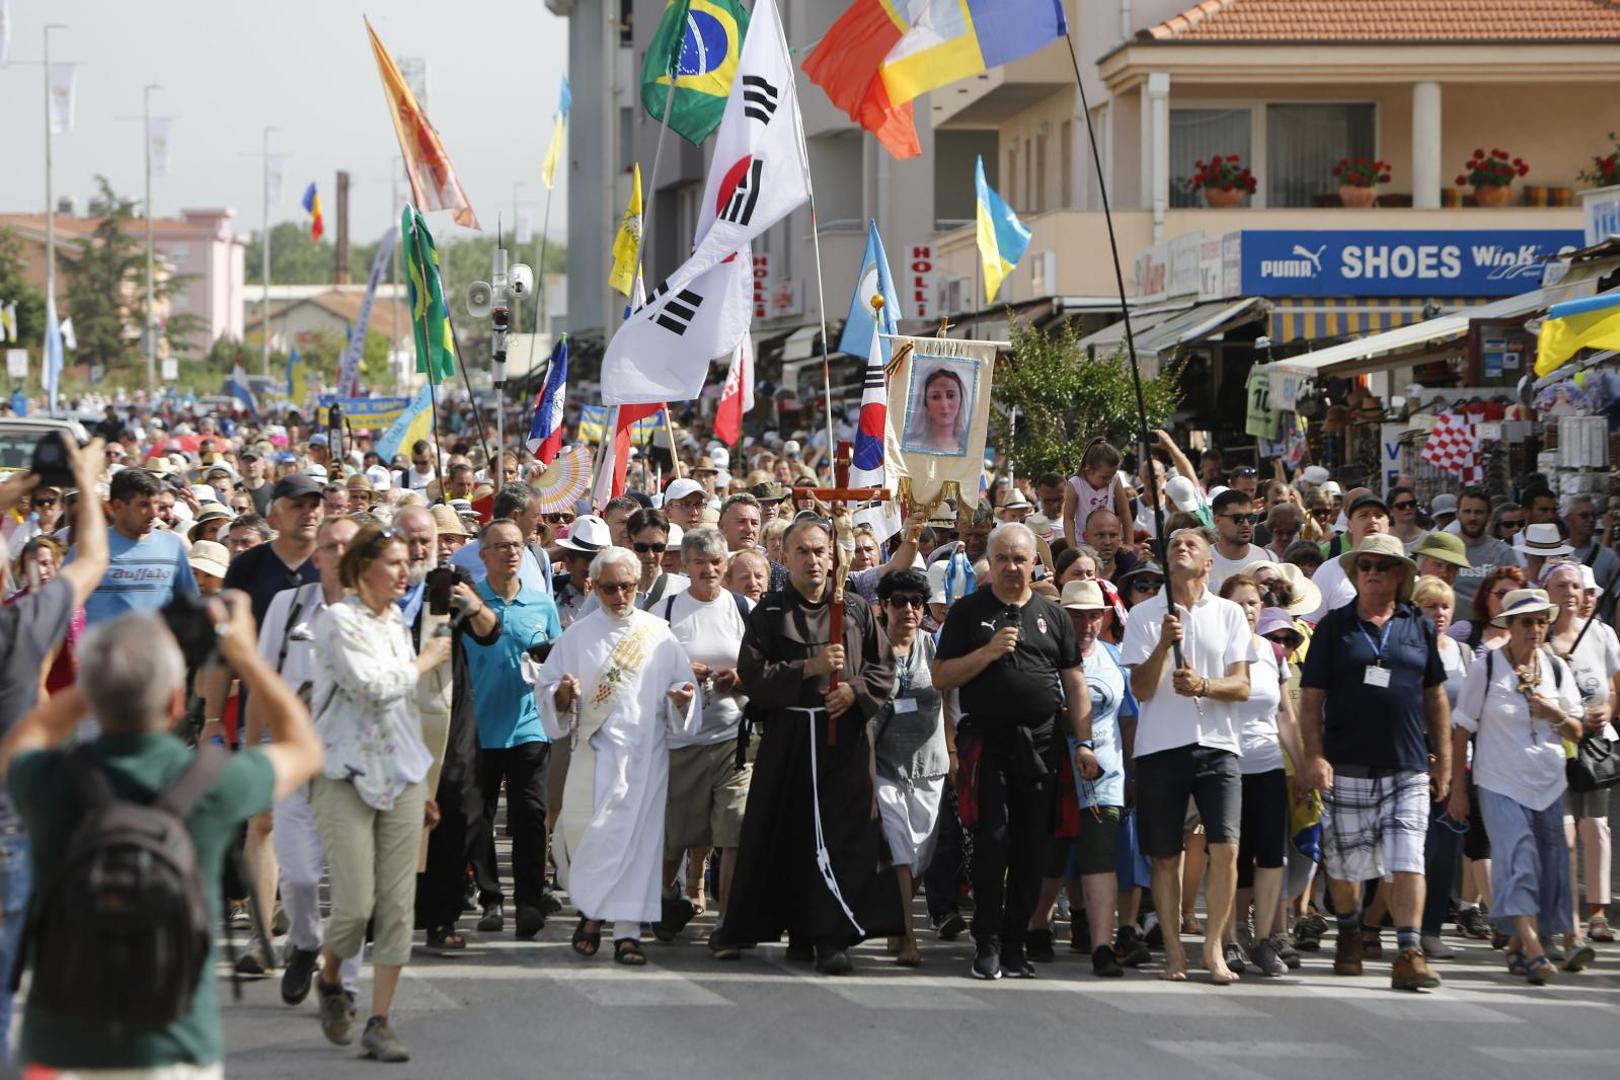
(908, 955)
(1540, 971)
(1191, 924)
(1516, 964)
(446, 939)
(1598, 929)
(586, 941)
(628, 951)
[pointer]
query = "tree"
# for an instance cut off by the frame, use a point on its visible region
(295, 259)
(15, 288)
(1065, 399)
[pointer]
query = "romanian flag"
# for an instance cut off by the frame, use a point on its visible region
(559, 135)
(1589, 323)
(312, 206)
(877, 57)
(1002, 237)
(434, 185)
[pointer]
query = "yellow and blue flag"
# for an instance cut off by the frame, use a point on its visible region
(874, 281)
(593, 422)
(1002, 237)
(1592, 322)
(949, 40)
(559, 135)
(697, 44)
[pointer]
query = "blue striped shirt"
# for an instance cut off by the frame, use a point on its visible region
(143, 575)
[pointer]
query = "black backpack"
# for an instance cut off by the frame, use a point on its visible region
(120, 935)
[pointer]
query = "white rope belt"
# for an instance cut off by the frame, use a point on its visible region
(823, 857)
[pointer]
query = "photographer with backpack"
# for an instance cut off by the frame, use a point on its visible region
(128, 834)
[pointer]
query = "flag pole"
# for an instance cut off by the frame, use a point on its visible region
(461, 362)
(1130, 340)
(539, 308)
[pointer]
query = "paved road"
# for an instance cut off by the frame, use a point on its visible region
(511, 1009)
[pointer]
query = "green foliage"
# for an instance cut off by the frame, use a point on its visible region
(1065, 399)
(14, 287)
(294, 258)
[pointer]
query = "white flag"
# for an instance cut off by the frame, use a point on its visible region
(157, 144)
(275, 166)
(758, 175)
(70, 341)
(525, 225)
(10, 321)
(61, 104)
(5, 33)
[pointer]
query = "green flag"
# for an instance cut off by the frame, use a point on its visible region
(699, 43)
(430, 317)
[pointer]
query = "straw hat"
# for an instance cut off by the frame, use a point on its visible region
(1541, 539)
(211, 558)
(1080, 595)
(1385, 546)
(1307, 595)
(446, 522)
(1525, 602)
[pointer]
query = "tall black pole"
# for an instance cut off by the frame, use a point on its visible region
(1145, 458)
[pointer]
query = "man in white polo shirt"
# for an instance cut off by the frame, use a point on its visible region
(1186, 738)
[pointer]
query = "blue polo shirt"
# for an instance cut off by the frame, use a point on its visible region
(503, 702)
(1372, 726)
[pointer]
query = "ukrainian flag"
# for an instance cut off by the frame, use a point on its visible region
(1002, 237)
(1589, 323)
(949, 40)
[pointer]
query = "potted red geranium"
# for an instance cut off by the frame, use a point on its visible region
(1492, 176)
(1359, 179)
(1223, 179)
(1605, 171)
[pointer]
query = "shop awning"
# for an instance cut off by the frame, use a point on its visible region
(1312, 318)
(1405, 345)
(1159, 331)
(1111, 337)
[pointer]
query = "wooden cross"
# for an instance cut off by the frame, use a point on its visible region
(843, 550)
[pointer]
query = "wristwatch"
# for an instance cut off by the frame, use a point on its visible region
(1087, 743)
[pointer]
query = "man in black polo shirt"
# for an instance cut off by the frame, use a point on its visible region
(283, 563)
(1376, 728)
(1016, 659)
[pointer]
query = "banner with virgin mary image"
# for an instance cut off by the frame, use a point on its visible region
(939, 404)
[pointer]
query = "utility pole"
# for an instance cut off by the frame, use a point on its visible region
(151, 323)
(50, 193)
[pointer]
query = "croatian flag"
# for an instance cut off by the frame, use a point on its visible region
(866, 464)
(546, 431)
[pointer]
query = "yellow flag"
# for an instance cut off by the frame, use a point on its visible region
(627, 244)
(559, 134)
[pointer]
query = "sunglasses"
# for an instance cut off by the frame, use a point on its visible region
(1506, 524)
(910, 601)
(1242, 472)
(621, 587)
(1379, 566)
(559, 519)
(644, 548)
(42, 502)
(1405, 504)
(1321, 515)
(1245, 519)
(1146, 585)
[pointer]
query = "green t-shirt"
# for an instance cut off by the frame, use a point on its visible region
(139, 766)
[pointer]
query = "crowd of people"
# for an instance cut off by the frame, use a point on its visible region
(1305, 706)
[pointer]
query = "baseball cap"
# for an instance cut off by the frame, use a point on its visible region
(1331, 488)
(318, 439)
(1369, 499)
(1315, 474)
(682, 488)
(295, 486)
(791, 448)
(1182, 494)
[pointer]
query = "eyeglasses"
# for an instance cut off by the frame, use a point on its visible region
(1321, 515)
(644, 548)
(1405, 504)
(1244, 519)
(908, 601)
(621, 587)
(507, 545)
(1378, 566)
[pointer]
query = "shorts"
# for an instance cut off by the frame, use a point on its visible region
(1264, 836)
(707, 796)
(908, 814)
(1093, 851)
(1165, 780)
(1375, 827)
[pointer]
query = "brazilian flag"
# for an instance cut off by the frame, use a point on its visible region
(430, 317)
(697, 44)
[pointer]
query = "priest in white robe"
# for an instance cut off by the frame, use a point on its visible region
(618, 683)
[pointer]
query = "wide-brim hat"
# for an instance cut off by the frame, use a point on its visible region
(1443, 547)
(1525, 602)
(210, 558)
(1307, 594)
(1082, 595)
(1385, 546)
(1542, 539)
(446, 522)
(587, 535)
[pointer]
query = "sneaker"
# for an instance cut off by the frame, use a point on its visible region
(1308, 933)
(1411, 972)
(1130, 948)
(1245, 937)
(1347, 954)
(1580, 954)
(1598, 929)
(1015, 963)
(1040, 946)
(494, 919)
(831, 960)
(530, 921)
(1104, 964)
(1471, 922)
(1285, 951)
(380, 1043)
(1235, 958)
(1435, 948)
(987, 960)
(949, 926)
(1153, 935)
(299, 973)
(337, 1013)
(1266, 959)
(240, 918)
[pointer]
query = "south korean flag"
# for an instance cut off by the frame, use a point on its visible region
(759, 174)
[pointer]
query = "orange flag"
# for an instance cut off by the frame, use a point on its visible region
(845, 65)
(433, 181)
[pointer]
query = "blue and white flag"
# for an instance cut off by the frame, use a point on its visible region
(238, 387)
(874, 280)
(546, 430)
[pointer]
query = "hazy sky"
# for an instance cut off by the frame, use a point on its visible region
(230, 68)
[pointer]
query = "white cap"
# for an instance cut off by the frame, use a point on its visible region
(675, 534)
(680, 489)
(721, 457)
(1181, 493)
(791, 448)
(1315, 474)
(1331, 488)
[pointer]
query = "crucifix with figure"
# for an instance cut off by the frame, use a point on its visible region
(839, 496)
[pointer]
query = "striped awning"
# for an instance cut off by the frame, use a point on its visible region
(1315, 318)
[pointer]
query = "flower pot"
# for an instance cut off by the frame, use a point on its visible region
(1359, 197)
(1220, 199)
(1493, 194)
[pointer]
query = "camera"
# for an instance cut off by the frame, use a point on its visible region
(51, 462)
(440, 581)
(188, 620)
